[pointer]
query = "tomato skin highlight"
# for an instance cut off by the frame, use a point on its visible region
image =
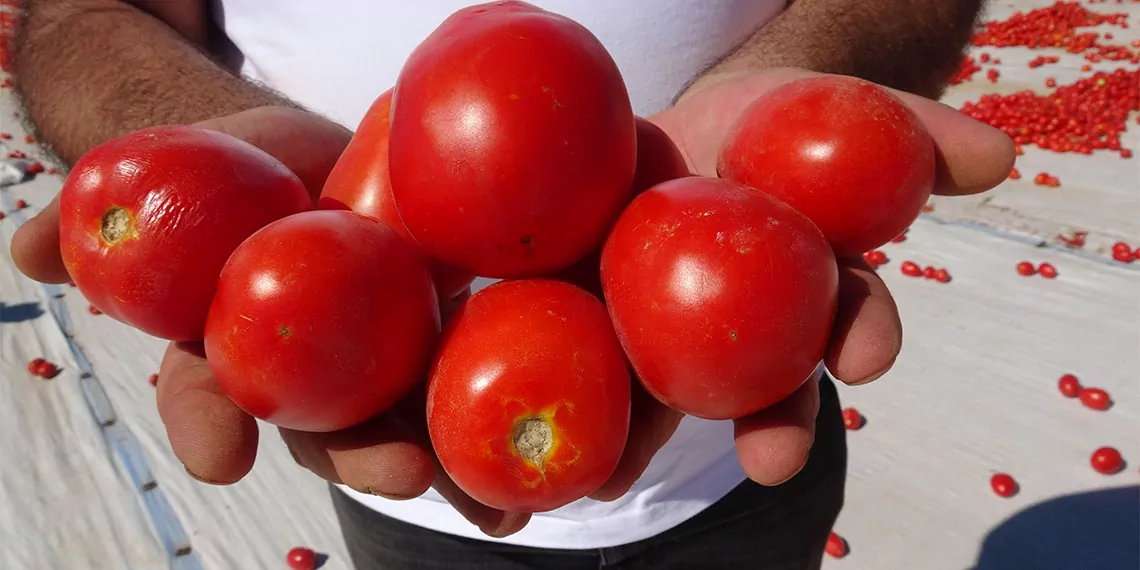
(360, 182)
(507, 165)
(537, 355)
(846, 153)
(321, 321)
(148, 219)
(722, 296)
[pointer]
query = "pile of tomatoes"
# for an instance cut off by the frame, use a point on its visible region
(508, 149)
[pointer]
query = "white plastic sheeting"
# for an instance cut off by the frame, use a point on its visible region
(88, 481)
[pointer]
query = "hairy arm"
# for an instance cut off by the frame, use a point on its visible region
(91, 70)
(910, 45)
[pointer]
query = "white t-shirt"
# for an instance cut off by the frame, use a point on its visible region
(337, 57)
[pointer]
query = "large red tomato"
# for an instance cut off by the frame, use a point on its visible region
(321, 321)
(722, 296)
(658, 160)
(359, 182)
(148, 219)
(844, 152)
(513, 141)
(529, 397)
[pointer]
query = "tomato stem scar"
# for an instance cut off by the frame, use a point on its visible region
(114, 225)
(533, 438)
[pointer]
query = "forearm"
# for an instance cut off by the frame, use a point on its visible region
(911, 45)
(91, 70)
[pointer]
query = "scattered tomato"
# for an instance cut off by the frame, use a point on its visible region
(321, 320)
(910, 269)
(1095, 398)
(21, 204)
(94, 310)
(1047, 270)
(942, 276)
(1069, 385)
(1025, 268)
(836, 546)
(493, 168)
(852, 419)
(929, 272)
(359, 182)
(1107, 461)
(720, 316)
(529, 396)
(846, 153)
(34, 366)
(1004, 485)
(301, 558)
(152, 380)
(148, 220)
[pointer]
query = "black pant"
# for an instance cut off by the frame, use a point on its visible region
(751, 528)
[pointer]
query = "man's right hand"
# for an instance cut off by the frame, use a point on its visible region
(389, 456)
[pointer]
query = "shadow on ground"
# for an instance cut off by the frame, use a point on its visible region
(1099, 530)
(19, 312)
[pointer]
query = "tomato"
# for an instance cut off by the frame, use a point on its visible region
(359, 182)
(513, 143)
(148, 219)
(845, 152)
(529, 396)
(836, 546)
(722, 296)
(852, 419)
(1095, 398)
(321, 321)
(301, 558)
(1069, 386)
(1107, 461)
(1003, 485)
(658, 160)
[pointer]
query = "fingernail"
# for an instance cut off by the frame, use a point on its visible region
(199, 478)
(389, 496)
(870, 378)
(790, 477)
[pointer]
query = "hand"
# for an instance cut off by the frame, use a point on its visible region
(773, 445)
(216, 441)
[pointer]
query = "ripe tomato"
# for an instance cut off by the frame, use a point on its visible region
(722, 296)
(845, 152)
(1095, 398)
(359, 182)
(1107, 461)
(852, 419)
(509, 165)
(1069, 385)
(301, 558)
(1003, 485)
(529, 397)
(321, 321)
(148, 219)
(836, 547)
(658, 160)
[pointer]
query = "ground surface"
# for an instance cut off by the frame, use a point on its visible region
(973, 393)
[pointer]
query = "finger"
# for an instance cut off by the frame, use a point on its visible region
(35, 247)
(380, 457)
(867, 335)
(307, 143)
(972, 157)
(215, 440)
(492, 522)
(651, 424)
(773, 444)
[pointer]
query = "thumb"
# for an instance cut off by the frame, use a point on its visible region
(307, 143)
(35, 247)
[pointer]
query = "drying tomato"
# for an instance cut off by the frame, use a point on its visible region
(843, 151)
(513, 141)
(321, 321)
(722, 296)
(529, 397)
(359, 182)
(658, 160)
(147, 220)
